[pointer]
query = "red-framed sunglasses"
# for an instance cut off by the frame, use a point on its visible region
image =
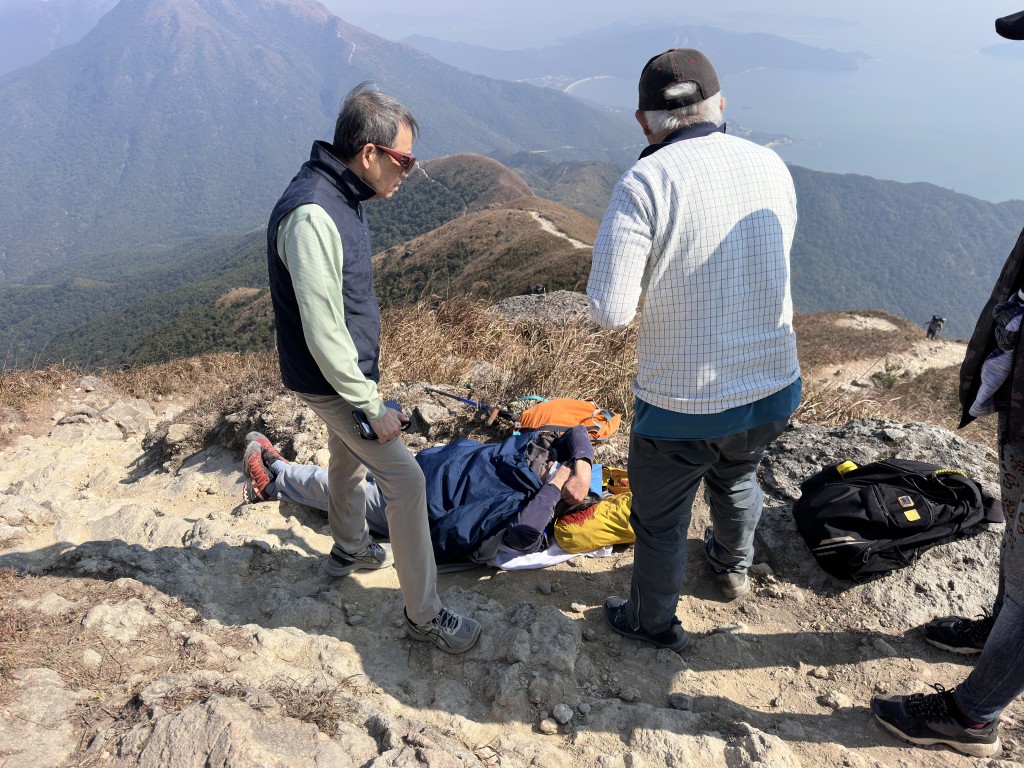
(405, 160)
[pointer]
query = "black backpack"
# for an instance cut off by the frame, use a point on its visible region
(863, 522)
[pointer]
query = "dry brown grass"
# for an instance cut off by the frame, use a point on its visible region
(933, 397)
(836, 338)
(202, 375)
(209, 381)
(444, 343)
(20, 387)
(827, 406)
(440, 344)
(187, 376)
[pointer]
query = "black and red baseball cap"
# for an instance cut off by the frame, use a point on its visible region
(1011, 27)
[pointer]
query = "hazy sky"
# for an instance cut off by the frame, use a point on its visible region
(928, 106)
(538, 22)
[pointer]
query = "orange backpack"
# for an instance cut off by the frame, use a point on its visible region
(565, 413)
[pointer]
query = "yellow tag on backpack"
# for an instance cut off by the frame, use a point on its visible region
(615, 480)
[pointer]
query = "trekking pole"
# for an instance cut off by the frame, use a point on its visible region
(494, 410)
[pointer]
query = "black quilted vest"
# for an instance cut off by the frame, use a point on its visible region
(325, 181)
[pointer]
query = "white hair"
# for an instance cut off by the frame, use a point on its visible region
(662, 121)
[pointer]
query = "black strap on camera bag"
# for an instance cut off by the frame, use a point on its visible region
(863, 522)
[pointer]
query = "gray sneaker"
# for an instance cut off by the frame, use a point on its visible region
(448, 631)
(341, 563)
(733, 583)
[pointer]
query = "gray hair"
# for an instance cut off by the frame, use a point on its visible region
(369, 117)
(662, 121)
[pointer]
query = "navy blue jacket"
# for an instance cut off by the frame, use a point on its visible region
(475, 489)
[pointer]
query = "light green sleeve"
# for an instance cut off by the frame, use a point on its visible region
(310, 247)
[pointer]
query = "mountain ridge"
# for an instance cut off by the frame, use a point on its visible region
(860, 243)
(169, 121)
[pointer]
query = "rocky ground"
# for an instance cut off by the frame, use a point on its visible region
(149, 618)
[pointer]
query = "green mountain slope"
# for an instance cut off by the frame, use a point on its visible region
(861, 243)
(470, 225)
(911, 249)
(151, 303)
(209, 269)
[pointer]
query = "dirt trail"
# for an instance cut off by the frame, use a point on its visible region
(548, 226)
(923, 355)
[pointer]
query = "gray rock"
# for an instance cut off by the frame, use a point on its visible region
(122, 622)
(883, 647)
(36, 727)
(92, 384)
(680, 701)
(680, 744)
(554, 307)
(562, 713)
(178, 434)
(761, 569)
(430, 415)
(50, 605)
(132, 418)
(835, 700)
(262, 618)
(757, 748)
(224, 731)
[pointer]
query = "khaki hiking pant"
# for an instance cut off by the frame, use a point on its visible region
(401, 482)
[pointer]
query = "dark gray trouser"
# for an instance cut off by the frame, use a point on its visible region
(998, 675)
(1011, 492)
(664, 476)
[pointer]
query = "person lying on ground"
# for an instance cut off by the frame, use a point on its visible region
(480, 496)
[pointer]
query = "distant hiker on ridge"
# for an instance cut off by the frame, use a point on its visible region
(935, 326)
(966, 718)
(328, 339)
(702, 225)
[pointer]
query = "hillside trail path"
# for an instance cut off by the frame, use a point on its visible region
(781, 677)
(548, 226)
(923, 355)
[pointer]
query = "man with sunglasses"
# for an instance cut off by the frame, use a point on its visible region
(328, 331)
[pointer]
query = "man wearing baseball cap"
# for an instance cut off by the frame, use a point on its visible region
(967, 717)
(702, 225)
